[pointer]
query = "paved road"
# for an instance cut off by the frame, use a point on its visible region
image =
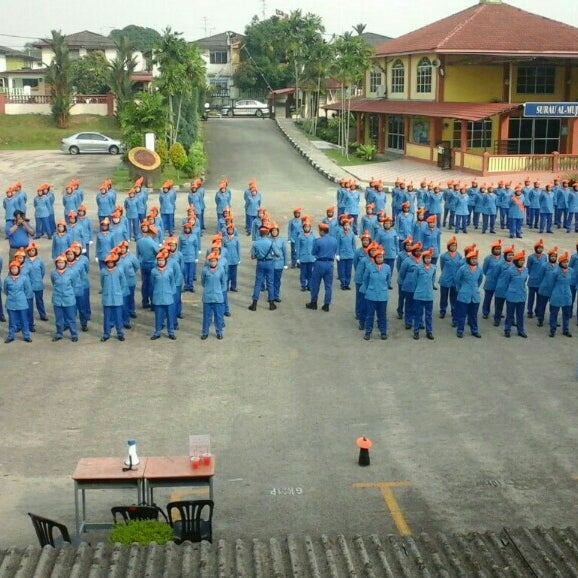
(468, 434)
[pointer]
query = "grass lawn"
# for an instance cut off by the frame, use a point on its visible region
(37, 131)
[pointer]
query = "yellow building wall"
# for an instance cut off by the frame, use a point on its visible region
(556, 96)
(14, 63)
(473, 84)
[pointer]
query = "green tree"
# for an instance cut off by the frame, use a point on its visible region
(317, 69)
(146, 113)
(178, 157)
(139, 38)
(359, 28)
(59, 78)
(181, 71)
(89, 74)
(353, 58)
(120, 72)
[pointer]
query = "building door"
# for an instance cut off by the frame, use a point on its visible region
(395, 133)
(373, 129)
(533, 136)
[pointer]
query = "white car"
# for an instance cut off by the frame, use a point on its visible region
(246, 108)
(90, 142)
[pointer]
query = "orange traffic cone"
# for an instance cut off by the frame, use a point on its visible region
(364, 444)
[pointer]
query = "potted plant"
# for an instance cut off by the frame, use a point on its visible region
(142, 532)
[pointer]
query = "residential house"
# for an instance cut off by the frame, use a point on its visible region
(221, 55)
(469, 91)
(17, 70)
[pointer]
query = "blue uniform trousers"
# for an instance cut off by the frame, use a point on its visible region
(293, 248)
(503, 218)
(189, 271)
(532, 297)
(39, 299)
(469, 311)
(146, 285)
(566, 316)
(488, 296)
(232, 277)
(277, 274)
(498, 309)
(264, 274)
(515, 228)
(65, 317)
(305, 272)
(2, 317)
(164, 313)
(546, 222)
(344, 267)
(18, 318)
(376, 309)
(541, 303)
(31, 312)
(42, 227)
(489, 220)
(249, 223)
(168, 220)
(213, 311)
(134, 229)
(514, 309)
(422, 309)
(360, 304)
(461, 223)
(112, 317)
(83, 315)
(322, 270)
(448, 293)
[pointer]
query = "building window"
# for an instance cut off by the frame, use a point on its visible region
(536, 79)
(374, 80)
(420, 130)
(397, 77)
(218, 57)
(395, 133)
(533, 136)
(479, 134)
(424, 75)
(219, 86)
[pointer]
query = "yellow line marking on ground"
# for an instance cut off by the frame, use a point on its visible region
(390, 502)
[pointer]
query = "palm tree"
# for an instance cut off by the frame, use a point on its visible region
(120, 72)
(59, 76)
(360, 28)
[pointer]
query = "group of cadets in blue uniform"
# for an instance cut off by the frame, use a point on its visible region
(405, 244)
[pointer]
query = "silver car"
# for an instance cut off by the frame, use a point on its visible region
(246, 108)
(90, 142)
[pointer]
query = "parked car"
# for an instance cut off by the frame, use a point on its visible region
(246, 108)
(90, 142)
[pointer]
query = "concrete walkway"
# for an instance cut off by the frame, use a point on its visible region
(388, 172)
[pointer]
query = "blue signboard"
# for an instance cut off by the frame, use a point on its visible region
(550, 109)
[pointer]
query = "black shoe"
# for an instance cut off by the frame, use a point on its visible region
(56, 338)
(496, 323)
(253, 306)
(325, 307)
(103, 339)
(442, 315)
(203, 337)
(361, 327)
(44, 318)
(227, 314)
(454, 324)
(530, 315)
(347, 287)
(540, 323)
(303, 289)
(523, 335)
(2, 319)
(399, 316)
(567, 334)
(552, 333)
(181, 316)
(28, 339)
(74, 339)
(33, 329)
(312, 305)
(407, 326)
(172, 337)
(430, 336)
(127, 326)
(460, 335)
(277, 300)
(367, 336)
(383, 336)
(231, 290)
(416, 336)
(272, 306)
(155, 337)
(485, 316)
(219, 336)
(507, 333)
(120, 337)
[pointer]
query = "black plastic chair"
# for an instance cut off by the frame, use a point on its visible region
(131, 513)
(196, 520)
(45, 531)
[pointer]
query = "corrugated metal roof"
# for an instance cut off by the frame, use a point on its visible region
(489, 28)
(460, 110)
(513, 553)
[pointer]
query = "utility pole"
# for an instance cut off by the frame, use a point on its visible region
(263, 9)
(205, 24)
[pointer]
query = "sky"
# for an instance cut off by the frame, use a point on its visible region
(28, 20)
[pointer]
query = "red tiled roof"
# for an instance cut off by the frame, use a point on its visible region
(488, 28)
(278, 91)
(459, 110)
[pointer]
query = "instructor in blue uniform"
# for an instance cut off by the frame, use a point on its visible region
(324, 251)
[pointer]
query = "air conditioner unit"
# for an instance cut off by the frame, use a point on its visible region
(380, 90)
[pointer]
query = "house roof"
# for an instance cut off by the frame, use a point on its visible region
(217, 41)
(490, 27)
(84, 39)
(459, 110)
(6, 51)
(374, 39)
(503, 553)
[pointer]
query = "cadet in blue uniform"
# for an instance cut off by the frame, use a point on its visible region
(223, 197)
(491, 270)
(345, 252)
(253, 200)
(264, 253)
(462, 210)
(368, 220)
(60, 240)
(111, 282)
(468, 282)
(561, 297)
(388, 238)
(81, 265)
(324, 252)
(516, 293)
(360, 260)
(404, 223)
(105, 201)
(167, 204)
(572, 206)
(86, 225)
(331, 220)
(535, 263)
(214, 281)
(295, 228)
(546, 284)
(41, 213)
(423, 295)
(489, 210)
(304, 252)
(188, 245)
(450, 263)
(546, 209)
(16, 287)
(375, 289)
(352, 205)
(36, 272)
(63, 281)
(131, 208)
(502, 282)
(163, 295)
(408, 280)
(280, 247)
(146, 251)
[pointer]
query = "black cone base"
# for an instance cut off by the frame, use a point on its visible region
(364, 457)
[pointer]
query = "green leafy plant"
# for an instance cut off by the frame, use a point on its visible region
(366, 152)
(163, 152)
(178, 157)
(196, 163)
(142, 532)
